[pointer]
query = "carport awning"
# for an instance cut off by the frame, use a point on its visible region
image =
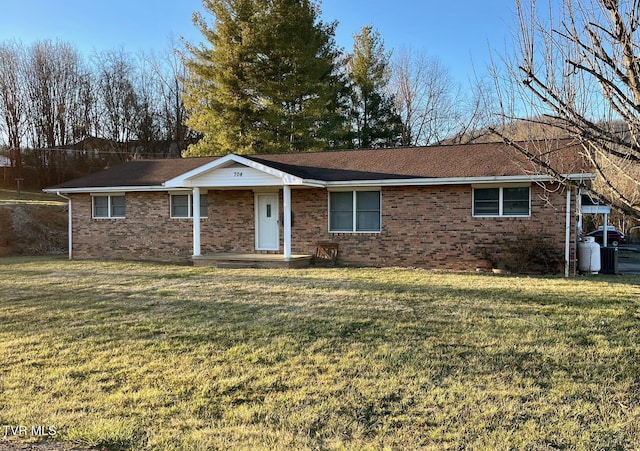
(594, 206)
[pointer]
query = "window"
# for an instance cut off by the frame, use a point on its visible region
(501, 201)
(109, 206)
(354, 211)
(515, 201)
(182, 205)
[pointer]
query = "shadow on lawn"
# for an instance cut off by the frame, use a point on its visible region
(307, 304)
(362, 328)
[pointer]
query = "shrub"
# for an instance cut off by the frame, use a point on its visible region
(525, 252)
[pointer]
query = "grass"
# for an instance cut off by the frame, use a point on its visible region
(11, 197)
(149, 356)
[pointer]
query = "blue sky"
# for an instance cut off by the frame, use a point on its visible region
(459, 33)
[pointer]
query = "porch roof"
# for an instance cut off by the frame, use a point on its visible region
(464, 162)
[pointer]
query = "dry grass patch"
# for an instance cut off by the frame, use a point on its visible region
(149, 356)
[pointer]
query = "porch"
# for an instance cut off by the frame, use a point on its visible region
(253, 261)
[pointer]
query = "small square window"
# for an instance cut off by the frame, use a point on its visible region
(486, 202)
(109, 206)
(118, 206)
(503, 201)
(341, 211)
(515, 201)
(182, 206)
(101, 207)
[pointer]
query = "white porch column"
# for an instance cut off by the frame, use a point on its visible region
(286, 199)
(196, 221)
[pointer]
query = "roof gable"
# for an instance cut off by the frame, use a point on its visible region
(233, 171)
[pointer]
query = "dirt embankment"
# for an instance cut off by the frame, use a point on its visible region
(32, 229)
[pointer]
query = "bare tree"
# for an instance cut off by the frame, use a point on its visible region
(52, 71)
(117, 97)
(576, 68)
(12, 102)
(147, 125)
(87, 118)
(426, 98)
(170, 73)
(51, 99)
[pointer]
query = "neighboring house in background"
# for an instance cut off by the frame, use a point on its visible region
(5, 165)
(5, 162)
(433, 207)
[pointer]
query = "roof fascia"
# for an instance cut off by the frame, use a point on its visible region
(104, 189)
(455, 180)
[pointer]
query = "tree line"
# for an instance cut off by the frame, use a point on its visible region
(269, 78)
(52, 98)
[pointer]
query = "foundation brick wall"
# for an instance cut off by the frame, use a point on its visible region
(427, 227)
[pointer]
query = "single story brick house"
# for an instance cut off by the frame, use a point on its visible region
(435, 207)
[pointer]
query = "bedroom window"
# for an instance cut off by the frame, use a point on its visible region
(502, 201)
(112, 206)
(182, 205)
(354, 211)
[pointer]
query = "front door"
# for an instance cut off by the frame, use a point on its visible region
(267, 214)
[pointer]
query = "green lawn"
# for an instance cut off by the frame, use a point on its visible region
(151, 356)
(30, 198)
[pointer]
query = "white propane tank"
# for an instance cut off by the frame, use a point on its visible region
(589, 256)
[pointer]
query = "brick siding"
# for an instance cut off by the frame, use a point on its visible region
(147, 232)
(426, 227)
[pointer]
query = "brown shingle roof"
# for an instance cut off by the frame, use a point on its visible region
(450, 161)
(137, 173)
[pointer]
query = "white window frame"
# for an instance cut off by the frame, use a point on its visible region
(109, 197)
(203, 197)
(354, 210)
(501, 189)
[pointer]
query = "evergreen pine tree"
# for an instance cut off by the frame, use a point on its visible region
(219, 87)
(268, 82)
(375, 121)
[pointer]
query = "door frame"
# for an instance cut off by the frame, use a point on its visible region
(258, 197)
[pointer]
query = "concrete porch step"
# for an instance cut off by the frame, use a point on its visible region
(252, 261)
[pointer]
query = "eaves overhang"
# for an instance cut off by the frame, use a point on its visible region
(439, 181)
(189, 180)
(104, 189)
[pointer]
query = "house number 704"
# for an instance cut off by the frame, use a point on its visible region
(237, 174)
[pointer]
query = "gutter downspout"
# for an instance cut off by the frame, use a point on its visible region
(69, 225)
(567, 234)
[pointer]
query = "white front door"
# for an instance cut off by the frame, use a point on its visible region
(267, 215)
